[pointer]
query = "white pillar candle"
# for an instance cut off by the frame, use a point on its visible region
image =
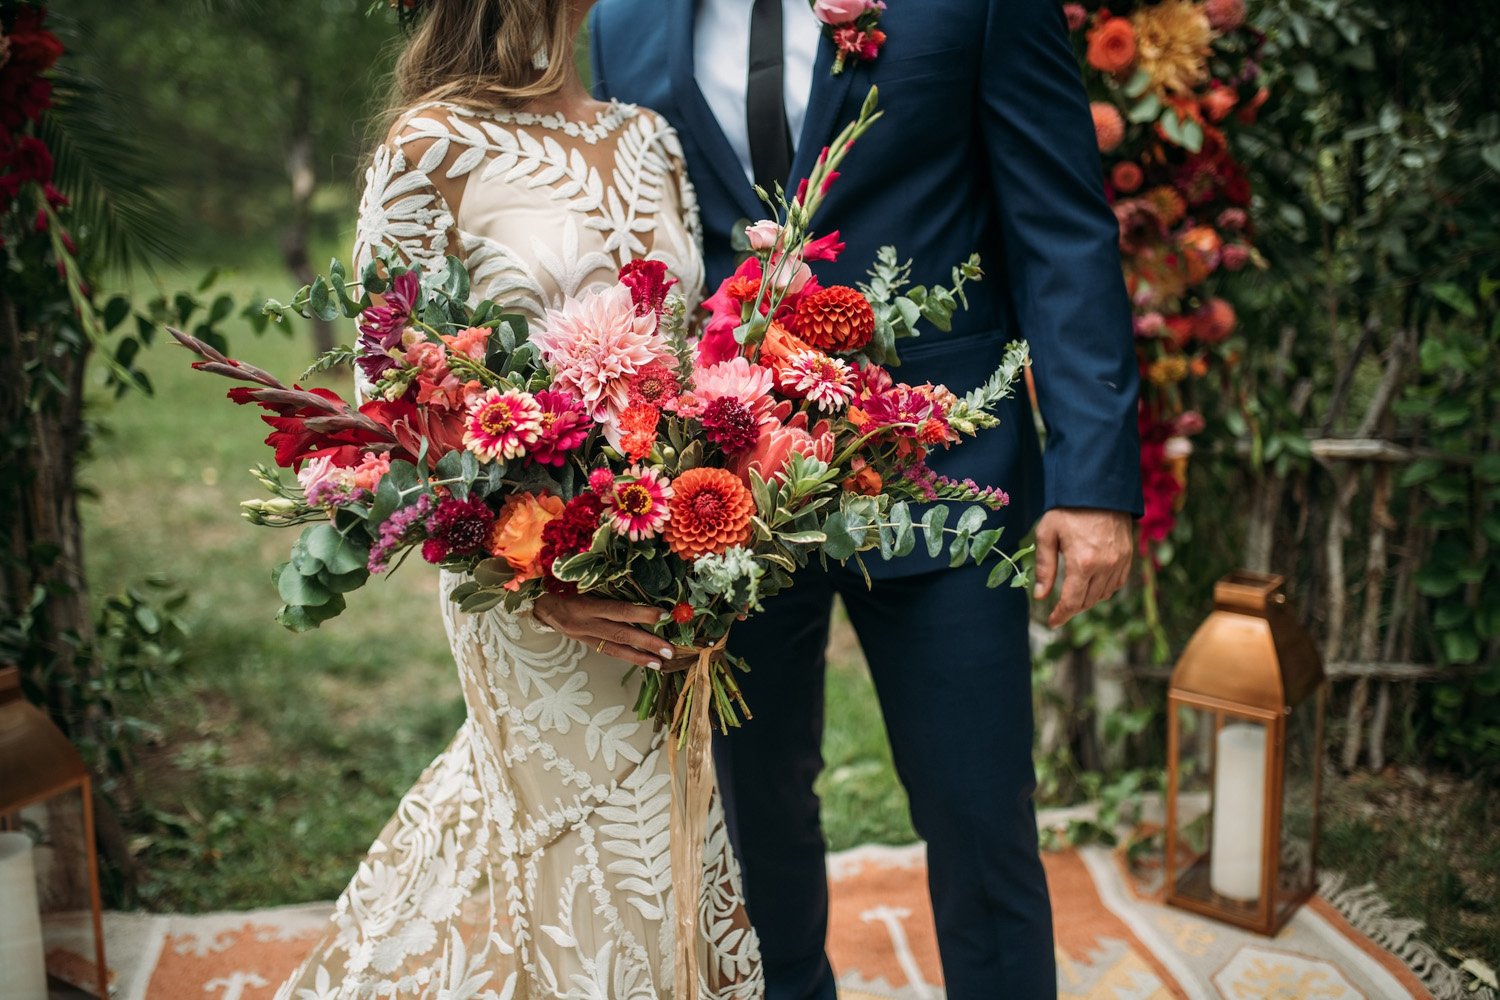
(23, 968)
(1234, 861)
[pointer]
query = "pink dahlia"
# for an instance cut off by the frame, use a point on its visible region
(738, 378)
(502, 425)
(637, 505)
(594, 344)
(813, 375)
(565, 424)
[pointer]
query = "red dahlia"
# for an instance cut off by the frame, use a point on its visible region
(836, 319)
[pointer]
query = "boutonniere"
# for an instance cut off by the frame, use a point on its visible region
(854, 28)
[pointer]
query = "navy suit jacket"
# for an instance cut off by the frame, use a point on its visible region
(986, 145)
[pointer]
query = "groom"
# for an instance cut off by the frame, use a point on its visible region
(986, 145)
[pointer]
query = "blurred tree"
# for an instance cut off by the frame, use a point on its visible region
(255, 109)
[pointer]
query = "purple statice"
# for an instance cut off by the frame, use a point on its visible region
(394, 531)
(935, 487)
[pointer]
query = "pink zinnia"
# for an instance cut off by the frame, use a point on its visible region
(637, 504)
(594, 344)
(564, 426)
(502, 425)
(813, 375)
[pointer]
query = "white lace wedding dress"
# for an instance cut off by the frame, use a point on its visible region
(531, 859)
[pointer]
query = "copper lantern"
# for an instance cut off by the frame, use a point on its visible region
(1244, 745)
(51, 933)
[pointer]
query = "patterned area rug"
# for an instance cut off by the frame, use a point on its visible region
(1115, 941)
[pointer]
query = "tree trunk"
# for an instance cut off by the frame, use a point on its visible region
(302, 173)
(43, 585)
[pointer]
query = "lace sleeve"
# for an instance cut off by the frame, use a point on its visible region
(403, 207)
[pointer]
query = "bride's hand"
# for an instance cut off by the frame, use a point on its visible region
(606, 627)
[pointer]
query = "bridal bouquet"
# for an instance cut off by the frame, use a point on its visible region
(611, 451)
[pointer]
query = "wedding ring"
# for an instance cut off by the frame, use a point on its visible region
(600, 648)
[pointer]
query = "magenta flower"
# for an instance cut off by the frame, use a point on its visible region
(565, 425)
(380, 327)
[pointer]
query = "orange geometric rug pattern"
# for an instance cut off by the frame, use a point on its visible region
(1113, 941)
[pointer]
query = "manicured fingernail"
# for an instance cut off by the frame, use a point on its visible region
(653, 665)
(666, 652)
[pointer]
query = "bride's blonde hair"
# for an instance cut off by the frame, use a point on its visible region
(483, 53)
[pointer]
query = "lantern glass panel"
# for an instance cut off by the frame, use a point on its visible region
(1299, 800)
(1221, 822)
(61, 858)
(1194, 798)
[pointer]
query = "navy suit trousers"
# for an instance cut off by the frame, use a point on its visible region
(951, 667)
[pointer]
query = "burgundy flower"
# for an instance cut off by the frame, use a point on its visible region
(648, 284)
(457, 528)
(381, 326)
(730, 424)
(569, 534)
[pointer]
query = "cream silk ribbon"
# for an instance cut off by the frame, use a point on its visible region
(690, 810)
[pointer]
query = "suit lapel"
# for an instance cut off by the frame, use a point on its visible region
(828, 94)
(702, 126)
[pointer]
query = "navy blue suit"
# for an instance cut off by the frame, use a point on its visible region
(986, 144)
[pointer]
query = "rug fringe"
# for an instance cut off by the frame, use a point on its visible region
(1371, 915)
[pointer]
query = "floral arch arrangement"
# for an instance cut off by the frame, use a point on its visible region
(1169, 82)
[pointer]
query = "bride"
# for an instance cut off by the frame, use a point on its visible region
(531, 858)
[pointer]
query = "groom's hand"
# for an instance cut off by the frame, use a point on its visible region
(1095, 546)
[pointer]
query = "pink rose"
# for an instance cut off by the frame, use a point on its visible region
(762, 235)
(793, 275)
(1075, 14)
(839, 11)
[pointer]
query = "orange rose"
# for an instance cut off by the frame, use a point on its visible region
(866, 481)
(1112, 46)
(517, 534)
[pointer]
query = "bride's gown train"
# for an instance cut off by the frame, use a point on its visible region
(531, 859)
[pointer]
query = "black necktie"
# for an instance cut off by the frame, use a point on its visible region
(765, 109)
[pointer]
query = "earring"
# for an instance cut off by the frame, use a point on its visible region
(539, 57)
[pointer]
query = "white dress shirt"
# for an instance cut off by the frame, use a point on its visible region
(721, 64)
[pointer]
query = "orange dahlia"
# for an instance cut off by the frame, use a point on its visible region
(836, 319)
(1109, 127)
(710, 511)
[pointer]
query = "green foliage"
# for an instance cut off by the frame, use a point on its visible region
(233, 88)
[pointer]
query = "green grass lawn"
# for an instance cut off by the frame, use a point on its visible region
(280, 756)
